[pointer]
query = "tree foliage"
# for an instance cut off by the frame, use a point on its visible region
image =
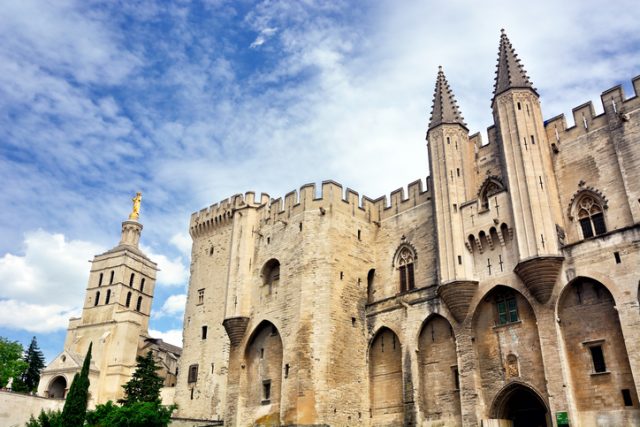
(75, 406)
(145, 384)
(11, 363)
(46, 419)
(136, 414)
(28, 381)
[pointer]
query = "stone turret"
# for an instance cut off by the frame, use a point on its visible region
(450, 157)
(529, 173)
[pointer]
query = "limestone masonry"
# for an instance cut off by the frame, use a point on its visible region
(503, 294)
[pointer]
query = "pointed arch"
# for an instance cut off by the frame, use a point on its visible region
(385, 378)
(490, 186)
(404, 262)
(507, 402)
(438, 370)
(594, 346)
(586, 209)
(261, 381)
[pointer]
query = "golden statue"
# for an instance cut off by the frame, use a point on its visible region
(135, 213)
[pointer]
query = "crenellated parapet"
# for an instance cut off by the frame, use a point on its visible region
(616, 111)
(332, 198)
(221, 213)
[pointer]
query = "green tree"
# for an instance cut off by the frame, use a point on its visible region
(46, 419)
(75, 406)
(135, 414)
(145, 384)
(11, 363)
(28, 381)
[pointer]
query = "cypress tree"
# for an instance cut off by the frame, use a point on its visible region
(28, 381)
(145, 384)
(75, 406)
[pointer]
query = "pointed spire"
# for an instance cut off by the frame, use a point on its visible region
(445, 108)
(509, 72)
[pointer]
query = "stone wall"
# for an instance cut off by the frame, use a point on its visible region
(17, 408)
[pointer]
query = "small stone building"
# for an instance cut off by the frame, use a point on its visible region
(503, 294)
(115, 318)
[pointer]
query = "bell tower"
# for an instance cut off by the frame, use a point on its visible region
(528, 172)
(115, 316)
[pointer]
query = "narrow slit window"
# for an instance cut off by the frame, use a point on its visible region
(204, 332)
(626, 397)
(133, 276)
(616, 255)
(266, 391)
(142, 285)
(111, 278)
(193, 374)
(139, 304)
(128, 302)
(597, 356)
(100, 279)
(106, 300)
(97, 301)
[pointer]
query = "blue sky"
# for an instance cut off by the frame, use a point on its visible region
(191, 102)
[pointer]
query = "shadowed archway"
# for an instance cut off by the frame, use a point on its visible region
(522, 405)
(57, 388)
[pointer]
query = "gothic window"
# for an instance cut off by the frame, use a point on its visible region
(491, 186)
(108, 296)
(193, 374)
(405, 262)
(200, 296)
(507, 309)
(100, 279)
(128, 303)
(590, 216)
(139, 304)
(131, 280)
(97, 301)
(111, 277)
(142, 285)
(271, 272)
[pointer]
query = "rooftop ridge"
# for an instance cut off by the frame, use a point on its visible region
(445, 107)
(510, 73)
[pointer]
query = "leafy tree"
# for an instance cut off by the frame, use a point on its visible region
(28, 381)
(46, 419)
(11, 363)
(145, 384)
(135, 414)
(75, 406)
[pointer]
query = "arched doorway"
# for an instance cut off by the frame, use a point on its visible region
(385, 379)
(522, 406)
(57, 387)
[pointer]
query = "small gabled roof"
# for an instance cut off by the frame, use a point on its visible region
(510, 73)
(445, 108)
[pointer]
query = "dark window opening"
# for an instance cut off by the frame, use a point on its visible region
(142, 285)
(139, 304)
(533, 140)
(459, 260)
(191, 394)
(448, 140)
(359, 234)
(353, 321)
(212, 367)
(456, 378)
(507, 309)
(204, 332)
(519, 106)
(268, 240)
(458, 171)
(131, 280)
(271, 272)
(100, 279)
(97, 301)
(128, 303)
(300, 225)
(598, 359)
(591, 217)
(111, 278)
(193, 374)
(626, 397)
(266, 391)
(286, 370)
(262, 353)
(616, 255)
(211, 251)
(106, 301)
(200, 296)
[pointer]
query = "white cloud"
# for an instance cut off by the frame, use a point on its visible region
(35, 317)
(172, 272)
(182, 241)
(262, 37)
(173, 306)
(172, 336)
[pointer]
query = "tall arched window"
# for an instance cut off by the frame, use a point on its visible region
(405, 262)
(97, 301)
(100, 279)
(139, 304)
(131, 280)
(142, 285)
(108, 296)
(111, 277)
(590, 216)
(128, 303)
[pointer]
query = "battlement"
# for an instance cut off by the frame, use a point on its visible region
(616, 108)
(332, 197)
